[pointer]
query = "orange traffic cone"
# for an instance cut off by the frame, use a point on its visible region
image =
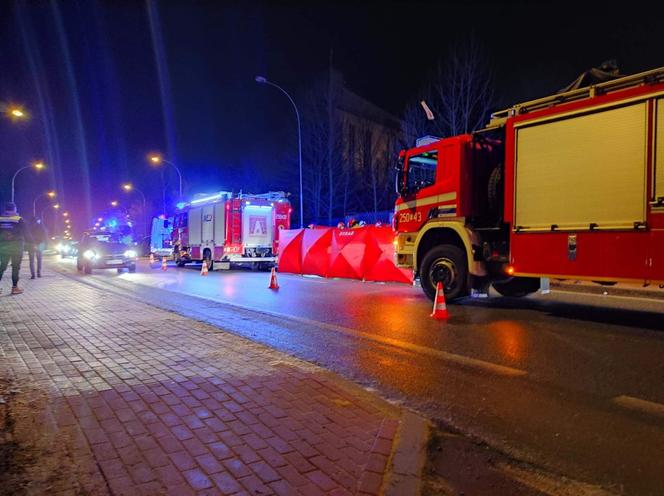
(273, 280)
(151, 258)
(204, 268)
(439, 307)
(164, 266)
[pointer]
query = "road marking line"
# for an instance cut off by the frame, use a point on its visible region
(550, 484)
(644, 406)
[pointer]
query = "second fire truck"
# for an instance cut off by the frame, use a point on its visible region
(241, 229)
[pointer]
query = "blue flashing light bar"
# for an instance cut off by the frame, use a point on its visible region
(180, 205)
(205, 199)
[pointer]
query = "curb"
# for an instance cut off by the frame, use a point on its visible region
(583, 287)
(409, 456)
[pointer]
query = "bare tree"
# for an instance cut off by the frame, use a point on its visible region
(321, 141)
(460, 93)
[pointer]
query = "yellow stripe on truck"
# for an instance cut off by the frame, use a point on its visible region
(429, 200)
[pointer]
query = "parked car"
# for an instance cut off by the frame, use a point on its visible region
(106, 251)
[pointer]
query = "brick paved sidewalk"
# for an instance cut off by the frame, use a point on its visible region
(101, 394)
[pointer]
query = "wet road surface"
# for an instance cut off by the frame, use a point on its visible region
(569, 382)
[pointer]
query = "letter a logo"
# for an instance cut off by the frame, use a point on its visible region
(259, 226)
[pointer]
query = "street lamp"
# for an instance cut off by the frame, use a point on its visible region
(36, 165)
(157, 159)
(50, 194)
(128, 187)
(55, 207)
(114, 203)
(15, 112)
(263, 80)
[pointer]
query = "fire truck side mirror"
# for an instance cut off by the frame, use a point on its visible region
(399, 183)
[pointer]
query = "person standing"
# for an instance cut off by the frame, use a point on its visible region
(13, 235)
(36, 246)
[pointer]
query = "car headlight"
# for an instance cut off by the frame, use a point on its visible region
(130, 254)
(90, 254)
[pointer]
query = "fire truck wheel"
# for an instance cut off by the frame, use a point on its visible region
(446, 264)
(517, 286)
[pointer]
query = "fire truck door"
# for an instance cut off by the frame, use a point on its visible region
(208, 227)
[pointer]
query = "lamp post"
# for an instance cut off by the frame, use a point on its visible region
(157, 159)
(128, 187)
(50, 194)
(37, 165)
(263, 80)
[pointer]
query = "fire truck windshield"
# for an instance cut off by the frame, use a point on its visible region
(421, 171)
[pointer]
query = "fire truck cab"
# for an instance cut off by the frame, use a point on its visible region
(240, 229)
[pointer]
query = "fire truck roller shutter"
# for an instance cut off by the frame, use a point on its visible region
(195, 227)
(257, 223)
(580, 170)
(219, 223)
(659, 152)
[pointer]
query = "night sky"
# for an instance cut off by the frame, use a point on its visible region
(89, 73)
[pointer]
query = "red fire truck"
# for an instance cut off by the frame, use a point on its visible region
(567, 186)
(238, 229)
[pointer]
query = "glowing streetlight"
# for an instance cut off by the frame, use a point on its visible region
(114, 203)
(65, 214)
(158, 159)
(37, 165)
(14, 112)
(100, 219)
(50, 194)
(128, 187)
(55, 207)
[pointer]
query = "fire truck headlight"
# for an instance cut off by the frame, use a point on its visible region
(130, 254)
(90, 254)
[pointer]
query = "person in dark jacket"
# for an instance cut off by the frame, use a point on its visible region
(36, 246)
(13, 235)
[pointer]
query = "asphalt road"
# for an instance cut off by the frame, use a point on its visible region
(568, 382)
